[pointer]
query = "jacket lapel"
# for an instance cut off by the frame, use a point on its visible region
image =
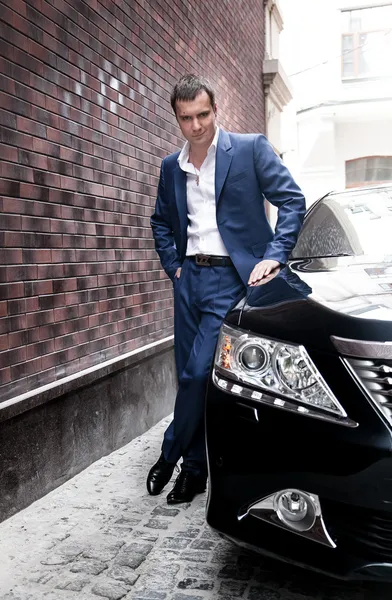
(180, 193)
(224, 155)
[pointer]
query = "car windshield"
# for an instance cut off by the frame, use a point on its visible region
(351, 223)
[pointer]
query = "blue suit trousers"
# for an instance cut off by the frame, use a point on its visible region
(202, 297)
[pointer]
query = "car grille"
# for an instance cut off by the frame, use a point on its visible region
(362, 532)
(375, 375)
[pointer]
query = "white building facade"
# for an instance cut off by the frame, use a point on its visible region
(276, 85)
(337, 131)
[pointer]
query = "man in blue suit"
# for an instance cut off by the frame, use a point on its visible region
(213, 238)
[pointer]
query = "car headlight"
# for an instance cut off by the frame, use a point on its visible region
(279, 368)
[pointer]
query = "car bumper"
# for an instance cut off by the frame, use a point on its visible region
(255, 451)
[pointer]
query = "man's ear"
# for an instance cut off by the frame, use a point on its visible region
(215, 109)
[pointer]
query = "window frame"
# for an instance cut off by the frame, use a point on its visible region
(356, 46)
(357, 184)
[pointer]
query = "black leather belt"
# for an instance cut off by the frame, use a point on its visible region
(206, 260)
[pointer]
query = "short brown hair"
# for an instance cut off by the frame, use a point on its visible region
(188, 87)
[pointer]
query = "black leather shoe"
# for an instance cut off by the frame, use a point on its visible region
(186, 487)
(159, 475)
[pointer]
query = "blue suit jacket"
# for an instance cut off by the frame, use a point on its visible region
(247, 171)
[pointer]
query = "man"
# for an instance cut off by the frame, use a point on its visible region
(213, 238)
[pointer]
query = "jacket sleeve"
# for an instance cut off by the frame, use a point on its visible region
(163, 232)
(279, 188)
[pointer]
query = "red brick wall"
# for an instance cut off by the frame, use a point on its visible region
(85, 121)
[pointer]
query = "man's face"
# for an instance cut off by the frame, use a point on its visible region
(196, 119)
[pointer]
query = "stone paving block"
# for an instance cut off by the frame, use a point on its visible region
(157, 524)
(109, 590)
(166, 556)
(102, 547)
(75, 584)
(191, 532)
(175, 543)
(195, 556)
(211, 534)
(160, 575)
(125, 574)
(235, 589)
(225, 553)
(126, 523)
(200, 571)
(145, 535)
(191, 583)
(64, 553)
(165, 512)
(203, 545)
(132, 555)
(198, 512)
(90, 567)
(132, 561)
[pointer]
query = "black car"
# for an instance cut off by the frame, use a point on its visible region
(299, 403)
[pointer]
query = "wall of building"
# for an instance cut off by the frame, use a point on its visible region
(325, 144)
(84, 124)
(332, 118)
(369, 138)
(86, 360)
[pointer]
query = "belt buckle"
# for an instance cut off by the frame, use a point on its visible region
(203, 260)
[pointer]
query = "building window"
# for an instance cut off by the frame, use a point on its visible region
(368, 170)
(367, 42)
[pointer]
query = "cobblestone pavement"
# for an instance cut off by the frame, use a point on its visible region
(101, 535)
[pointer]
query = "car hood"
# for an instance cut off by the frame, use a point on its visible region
(311, 300)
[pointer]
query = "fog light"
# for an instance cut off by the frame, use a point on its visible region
(295, 510)
(292, 506)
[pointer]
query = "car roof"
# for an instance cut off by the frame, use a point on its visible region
(367, 188)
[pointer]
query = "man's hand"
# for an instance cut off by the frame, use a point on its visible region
(263, 270)
(178, 273)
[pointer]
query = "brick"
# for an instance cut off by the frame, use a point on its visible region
(5, 377)
(51, 301)
(4, 342)
(38, 318)
(31, 304)
(11, 290)
(11, 357)
(36, 256)
(21, 272)
(10, 222)
(50, 271)
(10, 256)
(17, 338)
(40, 288)
(3, 308)
(17, 306)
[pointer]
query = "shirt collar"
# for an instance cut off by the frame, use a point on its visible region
(184, 154)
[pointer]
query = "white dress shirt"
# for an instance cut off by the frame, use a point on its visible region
(203, 235)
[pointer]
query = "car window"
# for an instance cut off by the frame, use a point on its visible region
(351, 223)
